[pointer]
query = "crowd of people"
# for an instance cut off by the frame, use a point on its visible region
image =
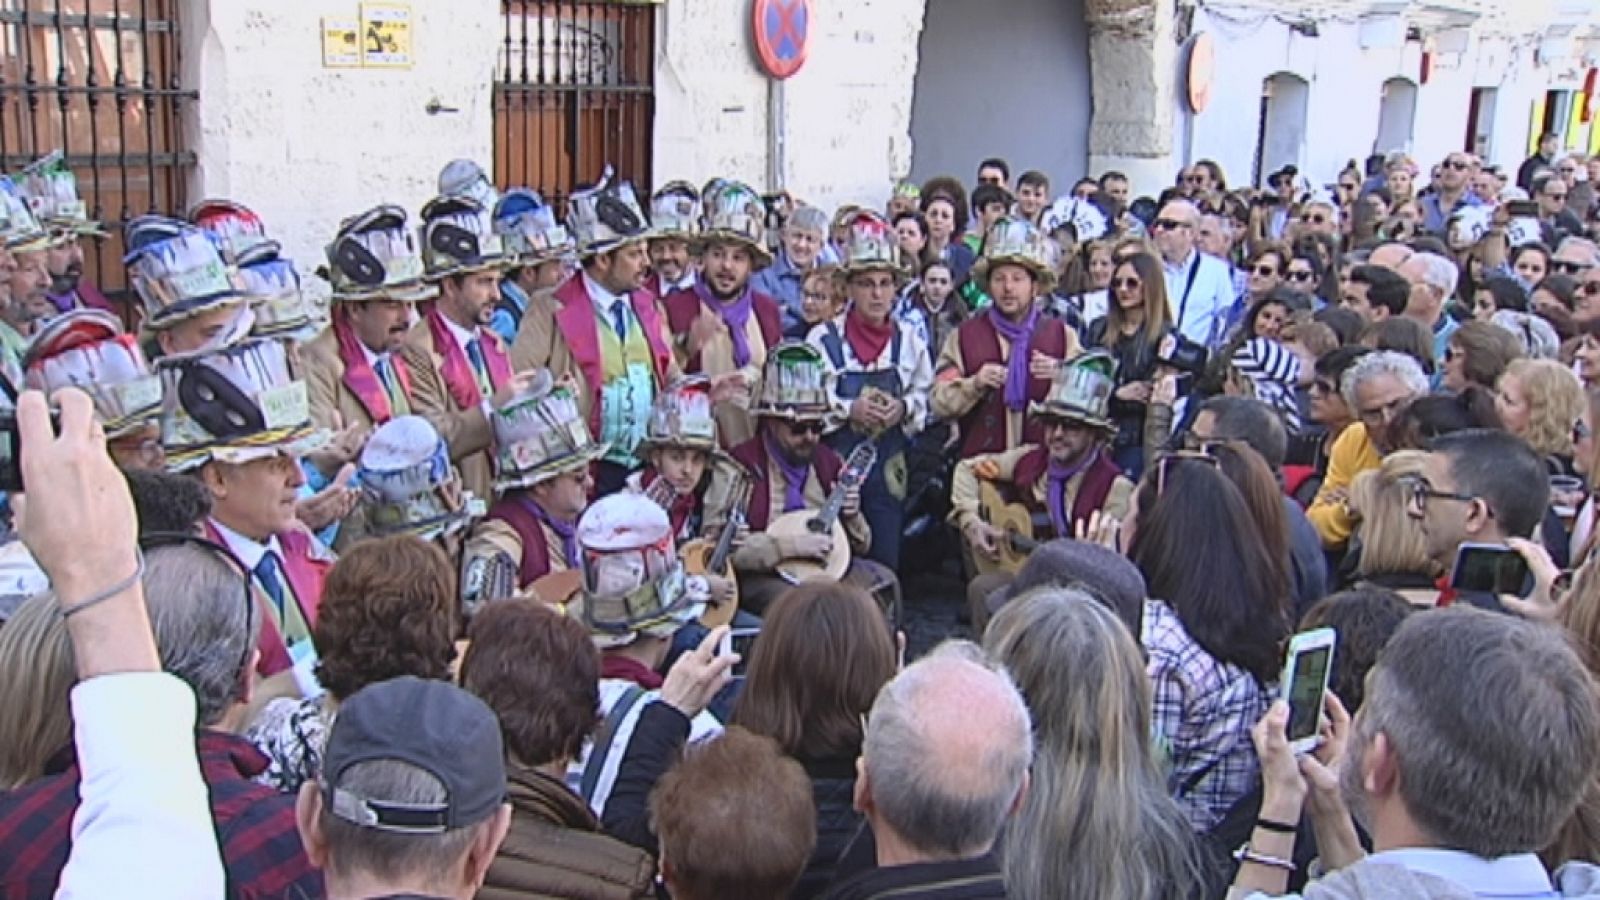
(563, 556)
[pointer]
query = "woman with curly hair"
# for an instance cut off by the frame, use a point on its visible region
(388, 609)
(1540, 400)
(944, 204)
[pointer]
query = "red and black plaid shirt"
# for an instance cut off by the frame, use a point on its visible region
(261, 848)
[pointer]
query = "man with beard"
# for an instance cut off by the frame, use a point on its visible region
(1478, 738)
(1061, 481)
(609, 342)
(998, 362)
(1449, 193)
(52, 190)
(722, 326)
(675, 214)
(784, 280)
(458, 366)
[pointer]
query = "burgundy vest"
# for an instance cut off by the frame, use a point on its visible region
(753, 455)
(535, 562)
(683, 307)
(1092, 490)
(983, 428)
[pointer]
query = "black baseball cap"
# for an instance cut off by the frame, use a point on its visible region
(432, 725)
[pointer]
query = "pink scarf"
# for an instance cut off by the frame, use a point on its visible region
(457, 370)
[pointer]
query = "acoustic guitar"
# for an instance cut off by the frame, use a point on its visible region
(704, 557)
(797, 570)
(1015, 525)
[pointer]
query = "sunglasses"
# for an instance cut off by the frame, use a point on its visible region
(1559, 198)
(1129, 284)
(1267, 271)
(1323, 386)
(1562, 267)
(1202, 455)
(804, 428)
(1168, 224)
(1459, 165)
(1301, 275)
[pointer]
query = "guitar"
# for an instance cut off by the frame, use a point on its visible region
(796, 570)
(703, 557)
(1015, 524)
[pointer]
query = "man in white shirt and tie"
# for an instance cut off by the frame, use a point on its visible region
(1199, 287)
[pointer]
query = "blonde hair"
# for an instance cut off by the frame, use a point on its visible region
(37, 671)
(1555, 402)
(1097, 820)
(1391, 541)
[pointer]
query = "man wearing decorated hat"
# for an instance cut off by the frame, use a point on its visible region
(459, 368)
(805, 236)
(611, 343)
(675, 213)
(791, 469)
(193, 300)
(635, 597)
(543, 451)
(722, 326)
(87, 349)
(1061, 481)
(880, 374)
(540, 251)
(24, 245)
(237, 418)
(269, 280)
(1000, 361)
(52, 191)
(408, 486)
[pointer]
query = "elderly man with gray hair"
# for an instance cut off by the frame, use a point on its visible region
(943, 766)
(804, 236)
(1433, 282)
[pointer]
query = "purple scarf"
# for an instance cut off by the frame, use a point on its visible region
(567, 531)
(1020, 336)
(1060, 474)
(794, 477)
(735, 315)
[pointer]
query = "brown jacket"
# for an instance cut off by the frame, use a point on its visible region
(465, 431)
(555, 848)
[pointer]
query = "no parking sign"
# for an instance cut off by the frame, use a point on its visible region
(783, 35)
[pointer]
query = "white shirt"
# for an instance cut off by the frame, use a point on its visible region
(461, 335)
(603, 299)
(246, 550)
(143, 806)
(1208, 299)
(682, 284)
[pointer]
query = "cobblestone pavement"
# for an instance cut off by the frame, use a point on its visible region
(934, 593)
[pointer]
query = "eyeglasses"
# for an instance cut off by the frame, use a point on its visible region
(1567, 170)
(1379, 415)
(1301, 275)
(1168, 224)
(1323, 386)
(1201, 455)
(1564, 267)
(804, 428)
(1267, 271)
(158, 539)
(1054, 424)
(1126, 284)
(1419, 492)
(1459, 165)
(1560, 198)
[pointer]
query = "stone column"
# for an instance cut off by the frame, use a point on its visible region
(1133, 60)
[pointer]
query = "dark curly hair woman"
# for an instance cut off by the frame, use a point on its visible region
(388, 609)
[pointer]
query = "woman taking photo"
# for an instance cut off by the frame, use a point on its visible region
(1136, 320)
(1097, 820)
(823, 654)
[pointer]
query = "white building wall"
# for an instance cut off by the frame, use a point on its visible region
(845, 117)
(306, 146)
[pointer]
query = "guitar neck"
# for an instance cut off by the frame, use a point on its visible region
(724, 548)
(854, 472)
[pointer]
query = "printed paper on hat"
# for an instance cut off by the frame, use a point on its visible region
(285, 407)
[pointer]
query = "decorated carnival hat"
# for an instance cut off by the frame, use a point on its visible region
(234, 404)
(409, 485)
(237, 229)
(181, 276)
(273, 288)
(52, 190)
(1086, 219)
(869, 244)
(87, 349)
(682, 417)
(465, 178)
(675, 211)
(606, 216)
(458, 236)
(527, 225)
(1016, 241)
(20, 230)
(374, 256)
(143, 231)
(1081, 391)
(794, 383)
(633, 581)
(541, 434)
(736, 214)
(1469, 224)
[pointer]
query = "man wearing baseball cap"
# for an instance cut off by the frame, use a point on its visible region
(411, 800)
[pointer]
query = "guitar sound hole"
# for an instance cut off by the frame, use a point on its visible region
(815, 526)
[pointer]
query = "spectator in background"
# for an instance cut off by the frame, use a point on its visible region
(1433, 282)
(1402, 335)
(1449, 193)
(734, 819)
(944, 204)
(1096, 790)
(1198, 287)
(803, 237)
(823, 654)
(1556, 220)
(1542, 160)
(1477, 355)
(36, 676)
(944, 765)
(1363, 619)
(1497, 293)
(994, 171)
(1375, 293)
(411, 797)
(540, 674)
(1530, 263)
(1116, 186)
(388, 609)
(1389, 549)
(1033, 193)
(1539, 400)
(990, 204)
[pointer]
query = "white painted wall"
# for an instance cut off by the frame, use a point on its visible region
(846, 116)
(306, 146)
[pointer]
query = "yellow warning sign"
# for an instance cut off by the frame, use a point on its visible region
(386, 35)
(341, 43)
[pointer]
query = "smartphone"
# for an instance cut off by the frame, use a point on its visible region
(1305, 683)
(1489, 569)
(738, 640)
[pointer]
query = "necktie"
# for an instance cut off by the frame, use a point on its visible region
(269, 574)
(480, 367)
(398, 404)
(619, 319)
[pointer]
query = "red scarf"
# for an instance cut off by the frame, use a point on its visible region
(457, 370)
(867, 340)
(358, 374)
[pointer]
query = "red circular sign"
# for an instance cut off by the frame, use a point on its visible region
(783, 35)
(1201, 72)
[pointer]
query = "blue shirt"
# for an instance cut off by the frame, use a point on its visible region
(784, 282)
(502, 322)
(1436, 219)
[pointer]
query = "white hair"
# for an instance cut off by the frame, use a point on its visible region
(1400, 366)
(1438, 272)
